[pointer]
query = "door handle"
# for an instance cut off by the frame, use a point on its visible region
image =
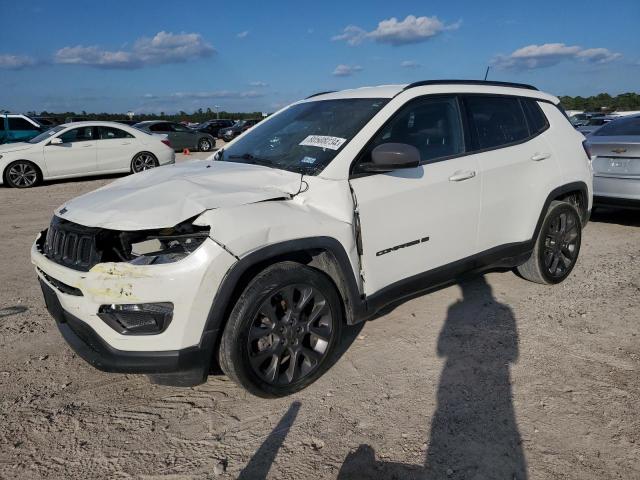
(87, 146)
(540, 156)
(462, 175)
(125, 143)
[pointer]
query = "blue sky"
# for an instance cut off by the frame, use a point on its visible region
(157, 56)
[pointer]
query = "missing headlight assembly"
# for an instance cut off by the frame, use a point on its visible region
(80, 247)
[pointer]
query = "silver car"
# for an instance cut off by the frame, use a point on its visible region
(615, 149)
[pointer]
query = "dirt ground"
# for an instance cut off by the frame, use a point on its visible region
(497, 378)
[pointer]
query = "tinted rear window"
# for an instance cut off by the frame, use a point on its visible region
(496, 121)
(623, 126)
(20, 124)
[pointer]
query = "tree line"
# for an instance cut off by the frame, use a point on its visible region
(198, 116)
(602, 101)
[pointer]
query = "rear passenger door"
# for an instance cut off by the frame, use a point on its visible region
(115, 149)
(415, 220)
(516, 166)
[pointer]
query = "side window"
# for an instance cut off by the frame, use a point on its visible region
(535, 118)
(495, 121)
(20, 124)
(430, 124)
(82, 134)
(176, 127)
(109, 133)
(160, 127)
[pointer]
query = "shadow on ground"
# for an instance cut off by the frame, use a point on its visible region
(16, 310)
(473, 432)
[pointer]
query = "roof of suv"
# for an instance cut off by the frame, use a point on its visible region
(438, 86)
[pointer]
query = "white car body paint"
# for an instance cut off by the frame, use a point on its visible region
(94, 157)
(249, 207)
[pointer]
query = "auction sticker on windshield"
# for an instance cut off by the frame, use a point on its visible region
(322, 141)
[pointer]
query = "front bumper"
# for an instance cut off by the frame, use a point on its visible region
(74, 297)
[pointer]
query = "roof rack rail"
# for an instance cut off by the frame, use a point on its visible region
(470, 82)
(320, 93)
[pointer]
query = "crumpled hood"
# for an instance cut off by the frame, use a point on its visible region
(14, 147)
(165, 196)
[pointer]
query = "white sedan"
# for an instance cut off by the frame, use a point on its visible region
(79, 149)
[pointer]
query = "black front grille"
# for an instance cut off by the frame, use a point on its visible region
(71, 245)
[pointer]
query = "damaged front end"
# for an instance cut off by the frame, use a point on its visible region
(81, 248)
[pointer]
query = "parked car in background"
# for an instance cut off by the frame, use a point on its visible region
(46, 122)
(18, 128)
(79, 149)
(330, 210)
(594, 123)
(181, 136)
(615, 148)
(237, 128)
(213, 127)
(579, 119)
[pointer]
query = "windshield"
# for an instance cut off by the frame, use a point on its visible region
(46, 135)
(305, 137)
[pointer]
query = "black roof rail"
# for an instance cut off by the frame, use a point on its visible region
(319, 93)
(470, 82)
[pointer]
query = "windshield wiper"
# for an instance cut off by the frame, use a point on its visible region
(250, 158)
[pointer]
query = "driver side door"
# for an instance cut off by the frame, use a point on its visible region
(75, 155)
(415, 220)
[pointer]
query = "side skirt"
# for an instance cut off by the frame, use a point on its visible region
(498, 258)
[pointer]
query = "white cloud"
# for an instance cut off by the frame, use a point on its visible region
(549, 54)
(410, 64)
(258, 84)
(164, 47)
(16, 62)
(243, 34)
(346, 70)
(394, 32)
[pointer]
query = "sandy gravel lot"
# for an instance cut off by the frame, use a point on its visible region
(497, 378)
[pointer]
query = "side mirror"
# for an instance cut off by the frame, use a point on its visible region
(392, 156)
(56, 141)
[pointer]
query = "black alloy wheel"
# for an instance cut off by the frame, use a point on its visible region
(561, 244)
(283, 331)
(290, 334)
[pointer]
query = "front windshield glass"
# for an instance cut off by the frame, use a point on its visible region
(46, 135)
(305, 137)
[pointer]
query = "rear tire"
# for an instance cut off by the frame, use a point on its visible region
(283, 331)
(557, 247)
(143, 161)
(205, 145)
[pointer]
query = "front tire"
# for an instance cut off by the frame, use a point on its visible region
(143, 161)
(283, 331)
(22, 174)
(557, 247)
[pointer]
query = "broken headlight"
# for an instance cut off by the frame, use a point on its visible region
(168, 248)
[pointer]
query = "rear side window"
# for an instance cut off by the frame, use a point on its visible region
(20, 124)
(108, 133)
(495, 121)
(623, 126)
(535, 118)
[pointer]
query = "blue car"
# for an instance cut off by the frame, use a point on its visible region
(18, 128)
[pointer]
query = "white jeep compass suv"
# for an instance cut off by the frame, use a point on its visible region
(317, 217)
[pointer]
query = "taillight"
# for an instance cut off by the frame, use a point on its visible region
(587, 149)
(166, 142)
